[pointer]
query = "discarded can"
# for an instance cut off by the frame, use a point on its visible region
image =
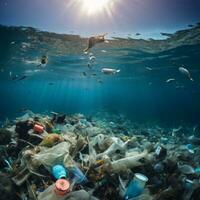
(59, 172)
(62, 187)
(136, 186)
(38, 128)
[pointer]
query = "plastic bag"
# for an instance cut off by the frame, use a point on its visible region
(59, 154)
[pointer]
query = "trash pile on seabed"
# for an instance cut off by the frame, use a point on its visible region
(75, 157)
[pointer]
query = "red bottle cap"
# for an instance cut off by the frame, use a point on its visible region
(38, 128)
(62, 187)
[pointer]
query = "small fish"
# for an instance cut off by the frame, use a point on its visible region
(89, 65)
(50, 83)
(110, 71)
(84, 74)
(104, 51)
(94, 74)
(10, 73)
(149, 68)
(138, 34)
(185, 72)
(22, 78)
(170, 80)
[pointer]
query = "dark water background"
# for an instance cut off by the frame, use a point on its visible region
(141, 94)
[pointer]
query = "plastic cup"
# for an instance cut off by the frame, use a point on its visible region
(136, 186)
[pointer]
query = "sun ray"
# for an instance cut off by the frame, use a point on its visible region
(93, 7)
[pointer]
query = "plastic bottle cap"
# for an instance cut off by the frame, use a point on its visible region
(38, 128)
(62, 187)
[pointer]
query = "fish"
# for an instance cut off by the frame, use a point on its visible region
(185, 72)
(50, 83)
(89, 65)
(149, 68)
(84, 74)
(22, 78)
(110, 71)
(170, 80)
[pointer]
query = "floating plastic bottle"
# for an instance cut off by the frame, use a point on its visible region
(136, 186)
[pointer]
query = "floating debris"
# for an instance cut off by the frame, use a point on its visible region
(149, 68)
(43, 61)
(110, 71)
(94, 40)
(185, 72)
(170, 80)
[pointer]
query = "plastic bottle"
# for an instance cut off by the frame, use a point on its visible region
(57, 191)
(78, 176)
(59, 172)
(136, 186)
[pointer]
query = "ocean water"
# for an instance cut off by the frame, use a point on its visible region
(67, 85)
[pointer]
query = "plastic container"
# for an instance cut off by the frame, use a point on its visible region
(59, 172)
(38, 128)
(136, 186)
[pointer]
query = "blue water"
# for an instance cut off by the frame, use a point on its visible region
(141, 94)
